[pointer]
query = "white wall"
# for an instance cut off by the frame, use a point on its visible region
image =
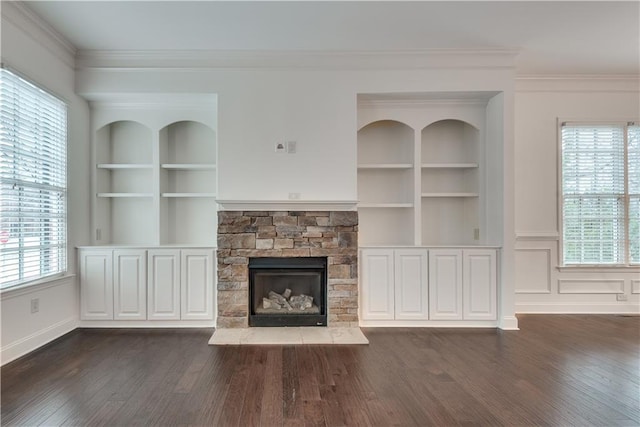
(540, 286)
(36, 54)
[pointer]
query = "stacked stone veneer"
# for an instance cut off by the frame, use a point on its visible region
(243, 235)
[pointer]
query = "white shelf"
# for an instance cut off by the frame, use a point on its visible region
(205, 195)
(428, 195)
(189, 166)
(385, 205)
(385, 166)
(449, 165)
(124, 166)
(113, 195)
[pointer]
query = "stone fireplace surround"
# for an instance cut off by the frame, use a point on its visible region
(248, 234)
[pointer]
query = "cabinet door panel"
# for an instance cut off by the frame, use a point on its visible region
(479, 284)
(96, 285)
(377, 284)
(163, 299)
(411, 290)
(445, 284)
(130, 285)
(197, 284)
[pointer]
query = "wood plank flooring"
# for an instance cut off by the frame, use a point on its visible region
(557, 370)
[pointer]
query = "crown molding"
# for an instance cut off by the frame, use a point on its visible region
(301, 59)
(19, 14)
(578, 83)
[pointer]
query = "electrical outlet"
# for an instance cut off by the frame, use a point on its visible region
(621, 297)
(35, 305)
(294, 196)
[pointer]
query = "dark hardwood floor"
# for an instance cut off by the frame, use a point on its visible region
(557, 370)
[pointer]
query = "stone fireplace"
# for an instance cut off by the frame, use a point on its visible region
(247, 236)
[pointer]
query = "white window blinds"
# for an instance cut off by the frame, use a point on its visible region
(598, 211)
(33, 182)
(633, 156)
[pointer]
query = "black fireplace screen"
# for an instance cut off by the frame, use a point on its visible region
(288, 291)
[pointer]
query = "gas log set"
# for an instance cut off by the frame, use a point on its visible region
(288, 303)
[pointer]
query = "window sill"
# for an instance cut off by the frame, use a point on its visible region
(599, 269)
(34, 286)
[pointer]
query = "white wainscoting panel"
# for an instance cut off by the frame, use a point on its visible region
(635, 286)
(582, 286)
(533, 271)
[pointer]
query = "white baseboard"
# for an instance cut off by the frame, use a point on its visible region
(578, 308)
(509, 323)
(428, 323)
(36, 340)
(146, 324)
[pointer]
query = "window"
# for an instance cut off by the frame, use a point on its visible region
(600, 181)
(33, 182)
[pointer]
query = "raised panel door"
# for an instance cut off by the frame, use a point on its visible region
(377, 284)
(130, 284)
(445, 284)
(411, 289)
(479, 287)
(197, 300)
(163, 291)
(96, 285)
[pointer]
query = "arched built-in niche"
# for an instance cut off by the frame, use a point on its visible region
(124, 184)
(187, 183)
(450, 183)
(386, 183)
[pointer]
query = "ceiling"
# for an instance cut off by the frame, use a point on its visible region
(552, 37)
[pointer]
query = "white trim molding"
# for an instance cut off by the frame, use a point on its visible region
(509, 323)
(287, 205)
(149, 101)
(577, 308)
(323, 59)
(97, 324)
(36, 340)
(547, 252)
(537, 235)
(20, 15)
(590, 286)
(578, 83)
(428, 323)
(36, 286)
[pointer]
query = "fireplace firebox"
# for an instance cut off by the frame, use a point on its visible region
(288, 291)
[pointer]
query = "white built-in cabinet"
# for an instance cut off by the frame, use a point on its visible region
(146, 284)
(430, 207)
(154, 212)
(428, 286)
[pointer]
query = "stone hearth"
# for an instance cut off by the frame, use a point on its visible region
(253, 234)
